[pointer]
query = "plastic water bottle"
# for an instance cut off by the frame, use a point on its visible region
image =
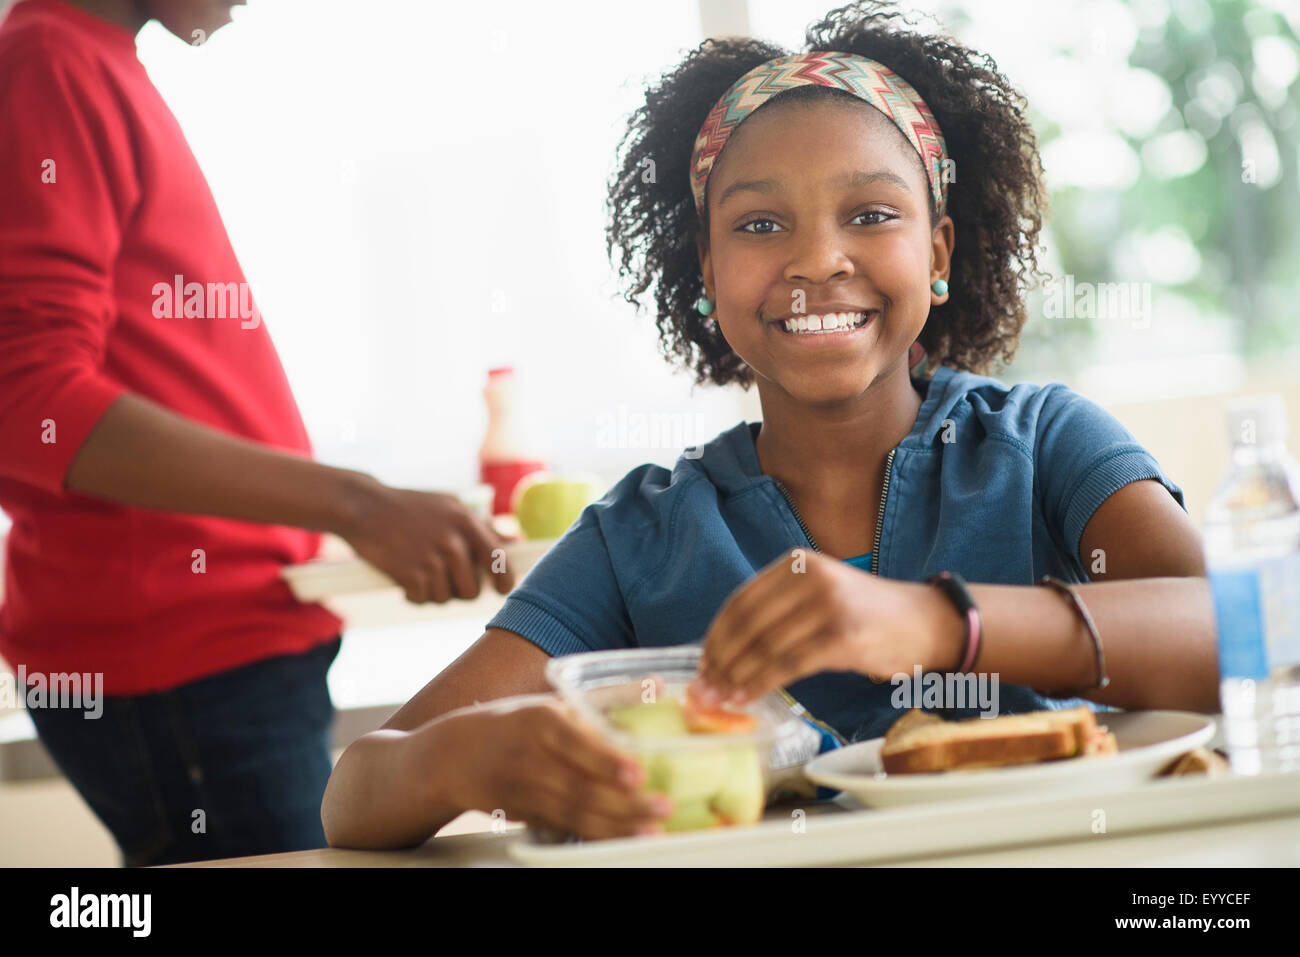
(1252, 544)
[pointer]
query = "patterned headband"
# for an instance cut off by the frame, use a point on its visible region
(866, 79)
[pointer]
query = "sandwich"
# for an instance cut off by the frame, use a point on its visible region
(1198, 761)
(921, 742)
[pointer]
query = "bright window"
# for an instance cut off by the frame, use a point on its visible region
(417, 193)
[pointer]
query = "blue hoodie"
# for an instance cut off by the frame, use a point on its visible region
(993, 482)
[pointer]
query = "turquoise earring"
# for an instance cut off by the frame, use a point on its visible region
(704, 306)
(940, 287)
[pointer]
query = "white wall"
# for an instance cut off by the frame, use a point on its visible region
(417, 195)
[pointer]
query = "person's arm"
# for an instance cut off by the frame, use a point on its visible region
(386, 789)
(1157, 627)
(67, 183)
(442, 754)
(537, 763)
(1152, 606)
(1105, 496)
(142, 454)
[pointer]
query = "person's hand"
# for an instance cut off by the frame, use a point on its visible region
(533, 759)
(807, 613)
(427, 542)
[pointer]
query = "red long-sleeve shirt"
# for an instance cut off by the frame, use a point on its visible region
(102, 205)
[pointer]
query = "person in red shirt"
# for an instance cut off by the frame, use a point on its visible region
(155, 466)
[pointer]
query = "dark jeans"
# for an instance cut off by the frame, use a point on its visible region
(227, 766)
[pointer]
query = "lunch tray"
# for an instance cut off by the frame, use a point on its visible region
(842, 832)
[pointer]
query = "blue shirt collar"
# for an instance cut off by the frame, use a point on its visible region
(731, 460)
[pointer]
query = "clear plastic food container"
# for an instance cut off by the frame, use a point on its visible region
(713, 779)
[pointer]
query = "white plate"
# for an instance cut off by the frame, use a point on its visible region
(1148, 741)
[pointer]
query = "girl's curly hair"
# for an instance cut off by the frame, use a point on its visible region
(996, 200)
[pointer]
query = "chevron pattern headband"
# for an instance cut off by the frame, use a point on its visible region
(866, 79)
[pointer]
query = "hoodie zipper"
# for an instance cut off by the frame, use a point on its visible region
(880, 515)
(797, 517)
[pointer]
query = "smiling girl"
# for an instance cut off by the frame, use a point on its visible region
(850, 230)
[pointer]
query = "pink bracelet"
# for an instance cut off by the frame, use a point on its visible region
(954, 586)
(973, 641)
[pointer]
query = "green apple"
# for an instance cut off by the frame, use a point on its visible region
(651, 719)
(691, 816)
(740, 799)
(686, 775)
(545, 504)
(709, 786)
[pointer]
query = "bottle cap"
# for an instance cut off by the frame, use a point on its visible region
(1256, 420)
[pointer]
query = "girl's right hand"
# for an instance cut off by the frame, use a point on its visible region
(536, 761)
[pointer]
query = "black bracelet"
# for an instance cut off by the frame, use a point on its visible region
(954, 586)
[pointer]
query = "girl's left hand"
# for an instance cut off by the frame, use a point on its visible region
(807, 613)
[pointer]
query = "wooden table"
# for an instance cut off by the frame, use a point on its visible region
(1269, 843)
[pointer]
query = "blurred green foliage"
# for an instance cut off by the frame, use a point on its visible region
(1232, 189)
(1244, 228)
